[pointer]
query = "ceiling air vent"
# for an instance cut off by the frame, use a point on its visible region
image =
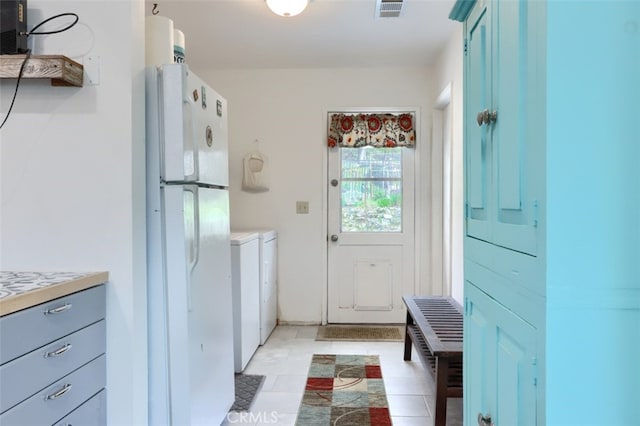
(388, 8)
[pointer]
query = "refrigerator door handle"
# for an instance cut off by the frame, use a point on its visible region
(191, 167)
(192, 222)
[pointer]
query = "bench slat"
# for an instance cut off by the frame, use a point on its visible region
(429, 321)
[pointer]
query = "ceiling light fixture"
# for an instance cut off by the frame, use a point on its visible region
(287, 8)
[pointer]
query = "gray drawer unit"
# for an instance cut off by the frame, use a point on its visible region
(48, 363)
(91, 413)
(29, 329)
(59, 399)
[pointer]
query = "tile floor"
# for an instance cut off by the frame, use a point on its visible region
(285, 359)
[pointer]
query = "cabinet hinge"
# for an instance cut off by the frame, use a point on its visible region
(466, 47)
(534, 363)
(535, 213)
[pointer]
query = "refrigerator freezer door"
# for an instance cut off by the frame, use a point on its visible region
(195, 136)
(198, 305)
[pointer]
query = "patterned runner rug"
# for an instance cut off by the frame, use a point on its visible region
(344, 390)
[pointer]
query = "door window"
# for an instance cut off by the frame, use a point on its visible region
(371, 189)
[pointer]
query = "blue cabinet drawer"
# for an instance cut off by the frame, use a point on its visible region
(29, 329)
(91, 413)
(56, 401)
(24, 376)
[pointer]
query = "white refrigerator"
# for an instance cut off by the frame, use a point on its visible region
(191, 362)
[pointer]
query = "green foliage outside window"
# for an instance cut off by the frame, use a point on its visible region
(371, 189)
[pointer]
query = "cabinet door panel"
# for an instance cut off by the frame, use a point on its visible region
(513, 138)
(477, 93)
(478, 338)
(500, 362)
(515, 358)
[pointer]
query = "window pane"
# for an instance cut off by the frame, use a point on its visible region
(368, 162)
(371, 197)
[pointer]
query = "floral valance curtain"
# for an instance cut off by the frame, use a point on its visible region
(377, 130)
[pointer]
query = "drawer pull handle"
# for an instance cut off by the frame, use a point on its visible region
(59, 351)
(61, 392)
(59, 309)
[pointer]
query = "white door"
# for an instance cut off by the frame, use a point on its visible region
(370, 234)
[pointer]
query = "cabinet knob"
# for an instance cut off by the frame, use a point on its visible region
(484, 420)
(486, 117)
(492, 117)
(334, 238)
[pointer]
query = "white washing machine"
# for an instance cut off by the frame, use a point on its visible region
(245, 278)
(268, 261)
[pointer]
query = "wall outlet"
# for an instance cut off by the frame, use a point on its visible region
(302, 207)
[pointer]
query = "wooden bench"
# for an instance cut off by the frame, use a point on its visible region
(434, 327)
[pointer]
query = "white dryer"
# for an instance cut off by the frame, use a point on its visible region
(245, 278)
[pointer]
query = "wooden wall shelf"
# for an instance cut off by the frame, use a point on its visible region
(61, 70)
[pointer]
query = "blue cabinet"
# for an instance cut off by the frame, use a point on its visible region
(552, 196)
(53, 361)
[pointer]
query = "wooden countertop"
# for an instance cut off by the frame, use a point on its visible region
(21, 290)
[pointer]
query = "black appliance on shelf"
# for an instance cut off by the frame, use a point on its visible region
(13, 26)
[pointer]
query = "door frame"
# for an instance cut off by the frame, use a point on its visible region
(441, 266)
(421, 147)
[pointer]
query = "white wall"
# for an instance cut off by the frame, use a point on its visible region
(449, 70)
(285, 111)
(72, 194)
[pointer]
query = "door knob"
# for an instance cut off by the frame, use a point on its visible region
(334, 238)
(484, 420)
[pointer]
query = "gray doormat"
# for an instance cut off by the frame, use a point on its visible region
(366, 333)
(247, 386)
